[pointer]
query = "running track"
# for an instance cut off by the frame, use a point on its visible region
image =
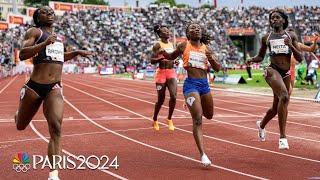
(105, 116)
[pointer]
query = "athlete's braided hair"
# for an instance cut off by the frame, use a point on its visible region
(36, 16)
(157, 29)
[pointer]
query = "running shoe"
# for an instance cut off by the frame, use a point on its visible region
(205, 161)
(170, 125)
(283, 143)
(261, 132)
(54, 178)
(156, 125)
(53, 175)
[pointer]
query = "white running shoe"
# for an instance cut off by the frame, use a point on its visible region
(205, 161)
(261, 132)
(53, 175)
(54, 178)
(283, 143)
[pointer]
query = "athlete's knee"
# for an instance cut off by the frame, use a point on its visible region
(284, 97)
(197, 121)
(55, 129)
(19, 125)
(160, 101)
(173, 97)
(273, 111)
(290, 90)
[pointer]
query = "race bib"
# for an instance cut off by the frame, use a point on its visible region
(55, 51)
(278, 46)
(197, 60)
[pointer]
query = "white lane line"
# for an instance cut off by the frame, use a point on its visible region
(10, 82)
(249, 114)
(150, 146)
(76, 157)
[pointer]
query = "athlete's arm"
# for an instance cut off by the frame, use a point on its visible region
(311, 48)
(176, 53)
(29, 49)
(72, 54)
(293, 45)
(262, 51)
(156, 57)
(213, 60)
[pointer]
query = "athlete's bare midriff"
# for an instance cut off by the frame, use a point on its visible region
(281, 61)
(46, 73)
(166, 64)
(196, 73)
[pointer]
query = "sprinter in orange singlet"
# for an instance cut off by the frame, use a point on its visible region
(196, 90)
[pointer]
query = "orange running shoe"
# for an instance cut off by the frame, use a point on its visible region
(170, 125)
(156, 125)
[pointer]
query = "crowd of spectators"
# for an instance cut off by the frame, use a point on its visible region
(9, 39)
(124, 37)
(309, 25)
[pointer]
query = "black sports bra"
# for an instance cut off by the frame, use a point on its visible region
(276, 45)
(53, 53)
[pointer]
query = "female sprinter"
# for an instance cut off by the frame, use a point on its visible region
(165, 76)
(44, 85)
(196, 90)
(281, 45)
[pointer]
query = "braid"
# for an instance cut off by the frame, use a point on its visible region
(157, 29)
(36, 15)
(205, 37)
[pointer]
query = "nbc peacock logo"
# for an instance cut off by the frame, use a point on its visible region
(21, 162)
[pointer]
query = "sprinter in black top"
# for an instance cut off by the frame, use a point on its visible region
(42, 44)
(282, 45)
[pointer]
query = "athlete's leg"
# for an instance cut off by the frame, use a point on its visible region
(193, 102)
(207, 105)
(28, 107)
(161, 91)
(292, 82)
(53, 111)
(172, 87)
(280, 88)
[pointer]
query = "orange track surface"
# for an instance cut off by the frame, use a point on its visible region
(105, 116)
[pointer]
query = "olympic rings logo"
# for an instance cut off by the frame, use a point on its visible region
(22, 163)
(21, 167)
